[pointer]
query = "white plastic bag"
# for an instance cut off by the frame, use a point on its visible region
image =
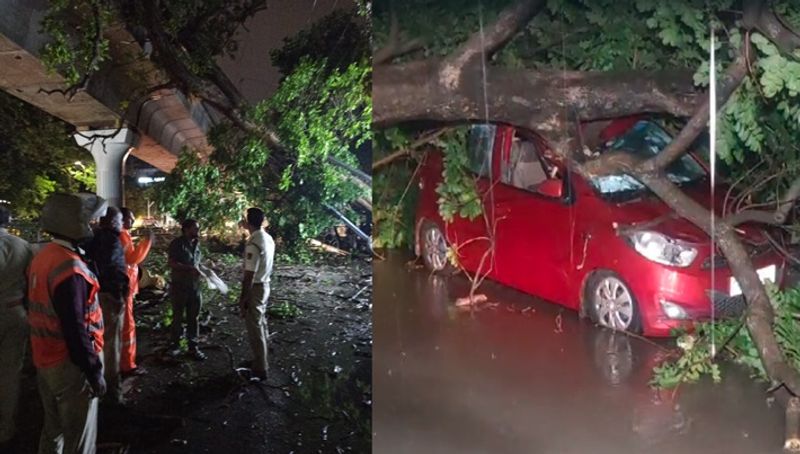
(213, 281)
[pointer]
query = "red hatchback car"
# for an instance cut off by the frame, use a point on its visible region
(606, 247)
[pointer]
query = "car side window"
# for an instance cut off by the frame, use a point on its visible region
(479, 148)
(523, 169)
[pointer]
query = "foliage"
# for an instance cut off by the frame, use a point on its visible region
(201, 191)
(340, 38)
(695, 360)
(760, 124)
(76, 51)
(207, 28)
(394, 207)
(393, 211)
(38, 156)
(284, 310)
(458, 193)
(318, 113)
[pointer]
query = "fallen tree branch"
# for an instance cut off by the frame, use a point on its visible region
(760, 315)
(394, 48)
(327, 247)
(776, 217)
(759, 16)
(482, 44)
(610, 164)
(423, 140)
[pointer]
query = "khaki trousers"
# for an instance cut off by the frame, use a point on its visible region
(113, 311)
(13, 341)
(70, 412)
(255, 320)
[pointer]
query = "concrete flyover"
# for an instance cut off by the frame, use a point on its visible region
(121, 112)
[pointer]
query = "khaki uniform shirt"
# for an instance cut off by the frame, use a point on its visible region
(15, 256)
(259, 253)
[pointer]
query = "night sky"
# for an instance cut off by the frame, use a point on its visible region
(251, 70)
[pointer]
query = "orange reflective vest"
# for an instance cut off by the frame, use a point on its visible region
(134, 255)
(49, 268)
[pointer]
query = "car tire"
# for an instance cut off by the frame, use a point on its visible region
(610, 302)
(433, 248)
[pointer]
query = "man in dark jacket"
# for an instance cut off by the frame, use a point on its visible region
(184, 260)
(108, 257)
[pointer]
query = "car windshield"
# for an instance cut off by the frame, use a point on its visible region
(644, 140)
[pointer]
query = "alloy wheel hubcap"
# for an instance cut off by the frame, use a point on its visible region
(435, 249)
(613, 304)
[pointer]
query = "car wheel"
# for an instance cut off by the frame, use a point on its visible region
(611, 303)
(434, 248)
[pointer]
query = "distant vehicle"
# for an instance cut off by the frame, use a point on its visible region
(607, 247)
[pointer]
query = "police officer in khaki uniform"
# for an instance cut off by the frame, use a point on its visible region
(15, 255)
(259, 253)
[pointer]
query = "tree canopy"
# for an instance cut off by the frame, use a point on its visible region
(290, 153)
(38, 156)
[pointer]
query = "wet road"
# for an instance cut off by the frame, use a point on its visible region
(527, 377)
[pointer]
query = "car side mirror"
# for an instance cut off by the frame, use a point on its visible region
(551, 188)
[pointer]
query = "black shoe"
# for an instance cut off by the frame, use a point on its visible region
(259, 375)
(198, 355)
(134, 372)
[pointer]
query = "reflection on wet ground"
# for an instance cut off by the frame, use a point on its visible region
(529, 377)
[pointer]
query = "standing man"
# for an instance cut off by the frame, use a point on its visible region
(258, 256)
(67, 326)
(106, 252)
(15, 255)
(134, 255)
(184, 260)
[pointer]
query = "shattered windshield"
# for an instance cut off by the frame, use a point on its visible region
(644, 140)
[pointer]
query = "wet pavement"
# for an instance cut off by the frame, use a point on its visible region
(529, 377)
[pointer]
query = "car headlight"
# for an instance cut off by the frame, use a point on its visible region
(662, 249)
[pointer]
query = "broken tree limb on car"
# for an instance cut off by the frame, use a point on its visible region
(405, 152)
(466, 86)
(776, 217)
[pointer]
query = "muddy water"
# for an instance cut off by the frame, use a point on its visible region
(528, 377)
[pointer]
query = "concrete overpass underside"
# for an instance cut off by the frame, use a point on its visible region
(155, 125)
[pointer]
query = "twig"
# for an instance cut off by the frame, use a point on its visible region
(407, 150)
(394, 48)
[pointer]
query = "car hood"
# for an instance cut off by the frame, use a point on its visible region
(659, 217)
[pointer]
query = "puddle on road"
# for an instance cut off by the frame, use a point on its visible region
(525, 376)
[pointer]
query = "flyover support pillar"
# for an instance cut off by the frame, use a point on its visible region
(109, 147)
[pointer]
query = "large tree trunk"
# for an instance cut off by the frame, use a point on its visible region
(536, 99)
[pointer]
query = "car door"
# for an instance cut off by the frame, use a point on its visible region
(534, 247)
(470, 237)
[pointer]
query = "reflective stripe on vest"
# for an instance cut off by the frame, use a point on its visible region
(49, 268)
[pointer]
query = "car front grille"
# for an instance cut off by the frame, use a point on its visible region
(720, 261)
(727, 306)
